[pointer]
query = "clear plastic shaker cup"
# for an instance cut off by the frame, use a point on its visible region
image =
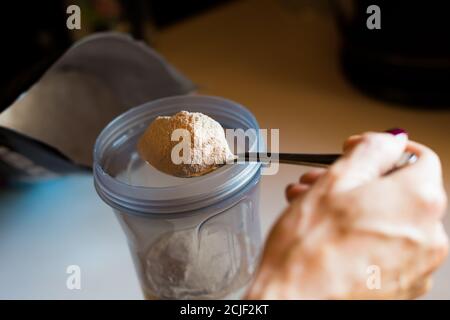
(195, 238)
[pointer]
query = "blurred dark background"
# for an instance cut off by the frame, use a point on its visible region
(407, 61)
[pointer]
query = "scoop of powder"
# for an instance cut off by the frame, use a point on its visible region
(203, 138)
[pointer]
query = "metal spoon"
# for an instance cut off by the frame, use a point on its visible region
(308, 159)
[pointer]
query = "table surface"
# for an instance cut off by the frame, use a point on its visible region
(282, 65)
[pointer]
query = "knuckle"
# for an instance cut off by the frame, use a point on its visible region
(430, 199)
(434, 160)
(438, 253)
(328, 199)
(442, 249)
(308, 205)
(373, 140)
(336, 204)
(441, 201)
(333, 175)
(350, 140)
(430, 159)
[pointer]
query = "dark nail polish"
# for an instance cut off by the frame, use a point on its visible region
(396, 131)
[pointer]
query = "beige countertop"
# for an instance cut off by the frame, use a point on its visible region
(282, 64)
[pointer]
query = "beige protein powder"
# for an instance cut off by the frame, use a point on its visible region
(201, 144)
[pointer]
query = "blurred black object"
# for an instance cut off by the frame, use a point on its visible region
(407, 60)
(167, 12)
(33, 36)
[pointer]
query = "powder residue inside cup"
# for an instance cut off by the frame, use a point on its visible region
(208, 147)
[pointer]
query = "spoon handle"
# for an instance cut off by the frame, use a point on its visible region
(315, 160)
(308, 159)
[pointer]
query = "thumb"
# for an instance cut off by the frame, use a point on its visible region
(371, 157)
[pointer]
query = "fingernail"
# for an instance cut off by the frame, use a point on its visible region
(397, 131)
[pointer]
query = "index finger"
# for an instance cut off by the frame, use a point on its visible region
(427, 167)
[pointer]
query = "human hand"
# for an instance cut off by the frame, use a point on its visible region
(358, 217)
